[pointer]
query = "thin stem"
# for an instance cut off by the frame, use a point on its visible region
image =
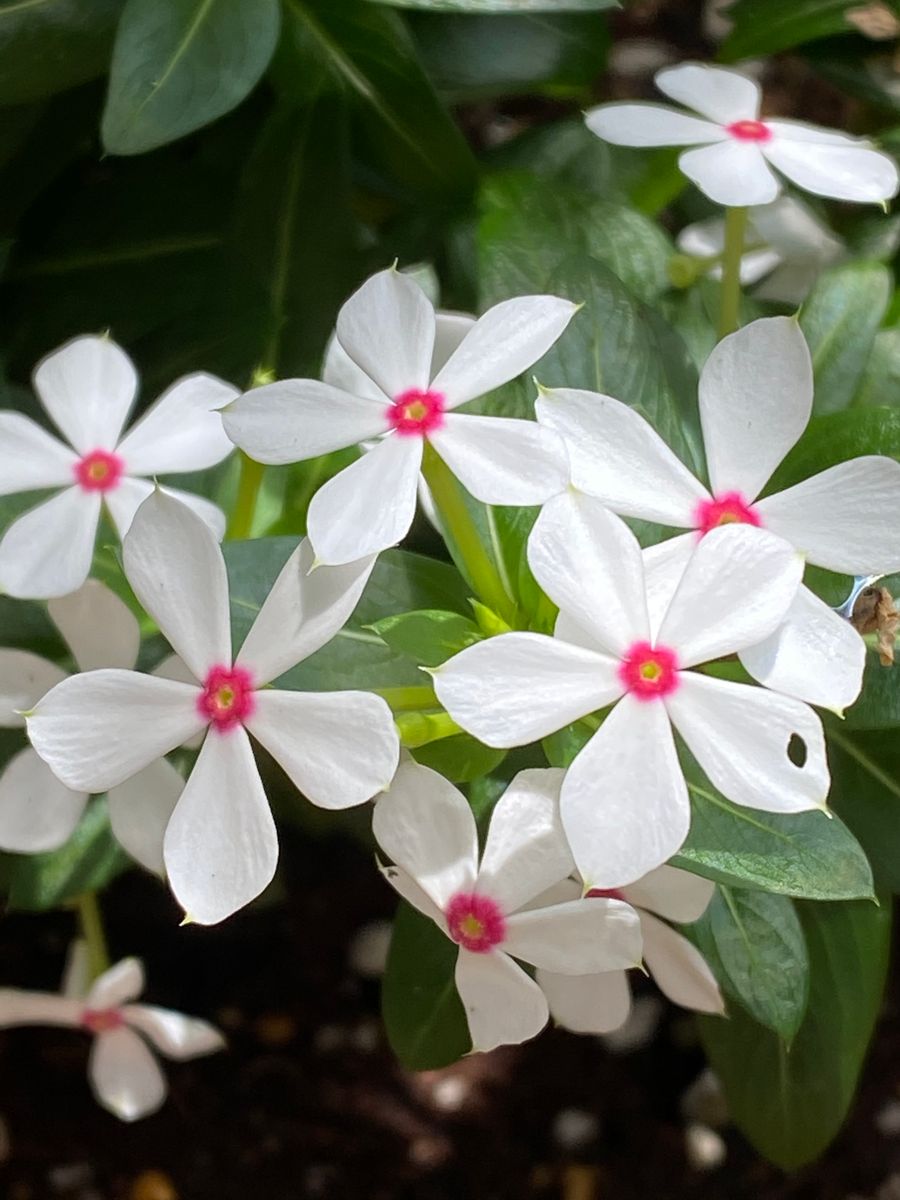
(90, 919)
(730, 297)
(241, 523)
(461, 530)
(400, 698)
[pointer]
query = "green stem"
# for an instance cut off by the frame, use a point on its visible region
(420, 728)
(400, 698)
(730, 297)
(90, 919)
(241, 523)
(460, 529)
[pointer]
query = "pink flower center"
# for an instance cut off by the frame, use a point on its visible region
(728, 508)
(102, 1020)
(749, 131)
(417, 412)
(99, 471)
(649, 672)
(606, 894)
(475, 922)
(227, 698)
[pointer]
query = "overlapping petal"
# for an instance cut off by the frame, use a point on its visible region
(122, 982)
(172, 1033)
(579, 937)
(679, 968)
(501, 460)
(387, 329)
(99, 628)
(140, 810)
(24, 678)
(503, 1005)
(678, 895)
(182, 431)
(731, 172)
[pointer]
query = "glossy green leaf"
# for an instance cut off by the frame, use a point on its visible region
(865, 773)
(460, 759)
(767, 26)
(836, 438)
(429, 637)
(790, 1102)
(47, 46)
(880, 382)
(505, 6)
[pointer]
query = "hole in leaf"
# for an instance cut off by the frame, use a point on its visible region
(797, 750)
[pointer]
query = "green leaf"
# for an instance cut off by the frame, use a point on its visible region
(880, 382)
(423, 1014)
(505, 6)
(836, 438)
(865, 791)
(562, 747)
(755, 947)
(428, 637)
(89, 860)
(461, 759)
(178, 66)
(767, 26)
(47, 46)
(790, 1103)
(839, 319)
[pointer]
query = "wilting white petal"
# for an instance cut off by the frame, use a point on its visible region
(512, 689)
(122, 982)
(732, 173)
(814, 655)
(849, 171)
(338, 748)
(679, 968)
(176, 569)
(756, 393)
(368, 506)
(740, 735)
(502, 461)
(221, 848)
(37, 1008)
(406, 887)
(722, 96)
(587, 1003)
(182, 431)
(140, 809)
(506, 341)
(677, 895)
(125, 1076)
(37, 812)
(24, 678)
(303, 611)
(96, 730)
(88, 387)
(48, 551)
(172, 1033)
(99, 628)
(30, 457)
(650, 125)
(503, 1005)
(664, 565)
(579, 937)
(387, 328)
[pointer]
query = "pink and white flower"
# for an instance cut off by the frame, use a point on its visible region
(388, 330)
(87, 388)
(39, 813)
(425, 826)
(756, 393)
(601, 1003)
(122, 1068)
(735, 150)
(624, 800)
(97, 730)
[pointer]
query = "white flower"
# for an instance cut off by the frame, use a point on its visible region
(756, 393)
(123, 1070)
(87, 389)
(601, 1003)
(39, 813)
(624, 799)
(425, 826)
(736, 150)
(99, 729)
(388, 330)
(787, 247)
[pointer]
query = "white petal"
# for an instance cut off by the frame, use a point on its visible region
(182, 431)
(587, 1003)
(125, 499)
(172, 1033)
(580, 937)
(732, 173)
(37, 1008)
(30, 457)
(526, 851)
(303, 611)
(843, 519)
(338, 748)
(589, 563)
(340, 372)
(140, 809)
(736, 589)
(24, 678)
(740, 734)
(37, 812)
(387, 328)
(122, 982)
(125, 1076)
(617, 456)
(756, 393)
(679, 969)
(48, 551)
(506, 341)
(815, 655)
(88, 387)
(424, 824)
(624, 801)
(677, 895)
(501, 460)
(722, 96)
(368, 506)
(503, 1005)
(650, 125)
(845, 172)
(664, 565)
(406, 887)
(791, 227)
(99, 628)
(450, 330)
(176, 569)
(512, 689)
(221, 848)
(707, 238)
(96, 730)
(295, 419)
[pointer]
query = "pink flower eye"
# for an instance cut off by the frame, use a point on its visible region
(102, 1020)
(728, 508)
(416, 411)
(649, 672)
(749, 131)
(227, 698)
(475, 922)
(99, 471)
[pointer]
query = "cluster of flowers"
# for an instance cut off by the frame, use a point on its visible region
(573, 870)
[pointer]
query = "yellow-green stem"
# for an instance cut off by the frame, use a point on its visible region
(90, 921)
(730, 296)
(241, 523)
(400, 698)
(420, 728)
